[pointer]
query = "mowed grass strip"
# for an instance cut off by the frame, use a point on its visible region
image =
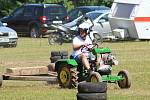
(132, 56)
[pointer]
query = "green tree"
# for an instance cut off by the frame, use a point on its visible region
(8, 6)
(92, 2)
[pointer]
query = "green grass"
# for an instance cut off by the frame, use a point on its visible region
(132, 56)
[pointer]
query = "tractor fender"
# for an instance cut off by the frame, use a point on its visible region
(71, 62)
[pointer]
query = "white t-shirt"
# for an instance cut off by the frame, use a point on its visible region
(80, 41)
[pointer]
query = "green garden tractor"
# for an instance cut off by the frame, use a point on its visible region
(70, 73)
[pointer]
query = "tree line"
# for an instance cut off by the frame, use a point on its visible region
(7, 6)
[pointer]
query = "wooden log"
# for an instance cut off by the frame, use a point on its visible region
(39, 70)
(30, 78)
(51, 73)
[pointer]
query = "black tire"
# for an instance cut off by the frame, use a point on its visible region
(95, 77)
(64, 53)
(56, 55)
(14, 44)
(55, 38)
(7, 46)
(88, 87)
(67, 77)
(55, 58)
(1, 80)
(126, 82)
(65, 57)
(34, 32)
(91, 96)
(59, 53)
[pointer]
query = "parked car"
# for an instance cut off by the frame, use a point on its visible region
(78, 11)
(34, 19)
(100, 20)
(8, 36)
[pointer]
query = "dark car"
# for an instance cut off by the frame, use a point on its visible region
(75, 13)
(34, 19)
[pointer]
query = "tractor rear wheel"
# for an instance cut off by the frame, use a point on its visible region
(67, 76)
(95, 77)
(126, 82)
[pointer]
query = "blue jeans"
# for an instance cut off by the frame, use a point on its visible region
(78, 59)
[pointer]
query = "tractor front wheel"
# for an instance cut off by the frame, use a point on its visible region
(95, 77)
(67, 76)
(126, 82)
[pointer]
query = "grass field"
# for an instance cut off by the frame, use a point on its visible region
(132, 56)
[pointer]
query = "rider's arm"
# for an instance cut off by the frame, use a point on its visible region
(77, 46)
(77, 43)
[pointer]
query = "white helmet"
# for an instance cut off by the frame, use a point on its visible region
(84, 25)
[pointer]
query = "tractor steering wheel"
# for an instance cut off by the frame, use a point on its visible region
(88, 48)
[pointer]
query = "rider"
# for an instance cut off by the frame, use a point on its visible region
(83, 39)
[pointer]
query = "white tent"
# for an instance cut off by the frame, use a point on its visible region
(132, 17)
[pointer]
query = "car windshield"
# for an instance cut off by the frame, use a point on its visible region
(93, 16)
(56, 11)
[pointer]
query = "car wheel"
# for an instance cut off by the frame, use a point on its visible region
(14, 44)
(55, 38)
(98, 38)
(34, 32)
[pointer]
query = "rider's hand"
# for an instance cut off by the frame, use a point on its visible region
(85, 44)
(89, 47)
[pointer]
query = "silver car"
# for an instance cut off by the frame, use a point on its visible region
(8, 36)
(100, 20)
